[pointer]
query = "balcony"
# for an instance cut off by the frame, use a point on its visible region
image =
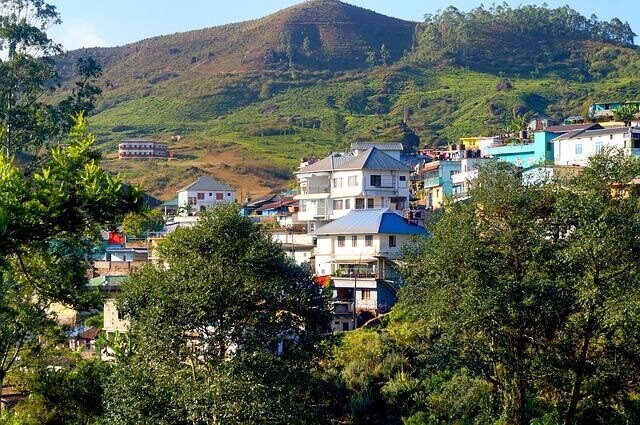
(314, 190)
(432, 182)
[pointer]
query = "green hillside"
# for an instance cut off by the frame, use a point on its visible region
(248, 119)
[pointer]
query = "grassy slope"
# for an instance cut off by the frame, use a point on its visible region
(444, 105)
(247, 113)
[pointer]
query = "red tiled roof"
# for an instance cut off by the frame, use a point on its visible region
(90, 333)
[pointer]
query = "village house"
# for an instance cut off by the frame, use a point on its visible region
(340, 183)
(576, 147)
(359, 251)
(114, 321)
(142, 148)
(204, 194)
(451, 173)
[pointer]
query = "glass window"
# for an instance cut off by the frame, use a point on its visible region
(337, 182)
(337, 204)
(368, 240)
(366, 294)
(599, 147)
(392, 241)
(200, 195)
(354, 241)
(403, 178)
(347, 204)
(341, 240)
(369, 202)
(359, 203)
(376, 180)
(579, 149)
(219, 195)
(353, 181)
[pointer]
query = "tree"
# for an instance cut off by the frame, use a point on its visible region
(599, 341)
(27, 75)
(372, 58)
(625, 113)
(495, 303)
(141, 224)
(48, 222)
(83, 96)
(226, 331)
(24, 119)
(70, 395)
(384, 55)
(534, 289)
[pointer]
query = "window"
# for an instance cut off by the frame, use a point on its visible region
(337, 182)
(354, 241)
(210, 194)
(369, 202)
(337, 204)
(228, 194)
(219, 196)
(392, 241)
(376, 180)
(402, 178)
(366, 294)
(303, 206)
(347, 204)
(341, 241)
(579, 149)
(368, 240)
(598, 147)
(359, 203)
(352, 181)
(403, 181)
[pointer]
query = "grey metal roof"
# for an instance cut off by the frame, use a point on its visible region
(328, 163)
(206, 183)
(371, 221)
(581, 134)
(374, 159)
(383, 146)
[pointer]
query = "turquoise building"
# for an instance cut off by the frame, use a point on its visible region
(527, 155)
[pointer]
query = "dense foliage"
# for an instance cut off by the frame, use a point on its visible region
(531, 40)
(48, 222)
(522, 308)
(224, 330)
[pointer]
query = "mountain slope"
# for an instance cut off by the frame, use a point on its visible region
(314, 35)
(251, 99)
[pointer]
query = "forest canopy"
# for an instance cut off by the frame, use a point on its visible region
(527, 39)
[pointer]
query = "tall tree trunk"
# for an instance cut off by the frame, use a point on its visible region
(580, 372)
(521, 396)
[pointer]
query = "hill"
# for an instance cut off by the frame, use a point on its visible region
(251, 99)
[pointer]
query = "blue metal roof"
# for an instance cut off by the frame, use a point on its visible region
(371, 221)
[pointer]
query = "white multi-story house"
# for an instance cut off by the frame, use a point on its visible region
(359, 251)
(205, 193)
(142, 148)
(359, 180)
(575, 147)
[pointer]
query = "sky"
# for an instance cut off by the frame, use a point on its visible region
(107, 23)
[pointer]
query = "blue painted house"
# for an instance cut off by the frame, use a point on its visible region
(359, 251)
(536, 152)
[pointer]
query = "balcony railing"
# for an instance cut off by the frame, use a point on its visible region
(433, 181)
(312, 190)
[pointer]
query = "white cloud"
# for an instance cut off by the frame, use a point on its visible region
(78, 35)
